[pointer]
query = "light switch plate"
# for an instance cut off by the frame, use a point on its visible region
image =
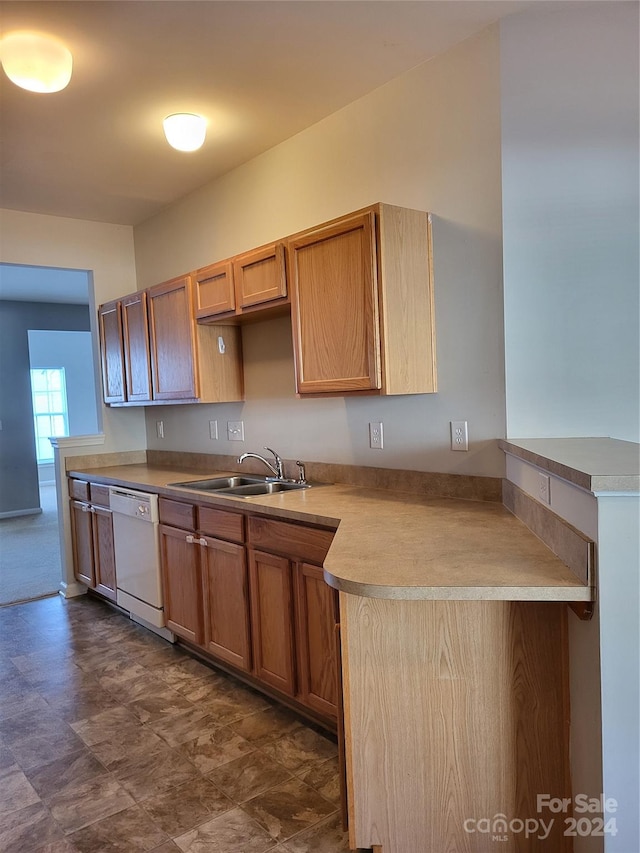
(235, 430)
(213, 430)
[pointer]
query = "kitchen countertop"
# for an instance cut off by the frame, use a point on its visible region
(394, 545)
(596, 464)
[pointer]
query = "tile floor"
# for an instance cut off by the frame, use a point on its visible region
(113, 740)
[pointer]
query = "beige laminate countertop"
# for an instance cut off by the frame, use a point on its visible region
(395, 545)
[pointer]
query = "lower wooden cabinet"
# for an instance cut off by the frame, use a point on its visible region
(316, 644)
(93, 548)
(272, 620)
(266, 614)
(182, 584)
(82, 539)
(104, 552)
(226, 602)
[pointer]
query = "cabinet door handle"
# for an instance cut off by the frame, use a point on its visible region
(201, 541)
(190, 539)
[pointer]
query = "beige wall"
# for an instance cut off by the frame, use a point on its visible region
(430, 140)
(107, 252)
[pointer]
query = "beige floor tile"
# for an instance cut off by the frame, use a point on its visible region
(29, 829)
(68, 771)
(218, 747)
(324, 837)
(184, 726)
(324, 776)
(88, 802)
(154, 774)
(102, 727)
(300, 748)
(17, 793)
(187, 806)
(288, 809)
(128, 831)
(266, 726)
(248, 776)
(233, 832)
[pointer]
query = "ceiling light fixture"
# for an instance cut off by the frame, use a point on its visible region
(35, 61)
(185, 131)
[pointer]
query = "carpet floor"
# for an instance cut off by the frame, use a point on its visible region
(30, 552)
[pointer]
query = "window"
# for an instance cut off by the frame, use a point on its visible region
(49, 397)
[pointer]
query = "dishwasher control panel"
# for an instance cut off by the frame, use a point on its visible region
(134, 504)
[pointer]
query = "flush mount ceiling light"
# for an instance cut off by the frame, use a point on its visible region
(185, 131)
(35, 61)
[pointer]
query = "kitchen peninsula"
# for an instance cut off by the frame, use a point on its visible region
(453, 640)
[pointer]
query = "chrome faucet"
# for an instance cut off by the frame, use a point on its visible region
(276, 468)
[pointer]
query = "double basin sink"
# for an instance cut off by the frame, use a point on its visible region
(241, 487)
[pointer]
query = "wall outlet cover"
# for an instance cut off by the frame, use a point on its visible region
(459, 435)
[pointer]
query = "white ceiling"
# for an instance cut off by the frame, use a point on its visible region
(259, 71)
(25, 283)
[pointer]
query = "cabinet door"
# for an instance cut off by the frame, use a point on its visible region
(137, 361)
(315, 639)
(272, 620)
(82, 540)
(260, 276)
(111, 352)
(214, 290)
(172, 334)
(226, 602)
(104, 552)
(182, 585)
(334, 307)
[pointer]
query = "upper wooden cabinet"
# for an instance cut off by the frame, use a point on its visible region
(259, 276)
(241, 284)
(166, 355)
(173, 345)
(214, 291)
(362, 304)
(111, 352)
(137, 360)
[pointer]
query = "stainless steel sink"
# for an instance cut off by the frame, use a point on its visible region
(217, 483)
(263, 489)
(240, 487)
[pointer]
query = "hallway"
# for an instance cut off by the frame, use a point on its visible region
(30, 552)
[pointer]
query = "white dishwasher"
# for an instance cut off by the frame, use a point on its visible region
(137, 550)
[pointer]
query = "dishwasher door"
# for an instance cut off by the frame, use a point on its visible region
(137, 550)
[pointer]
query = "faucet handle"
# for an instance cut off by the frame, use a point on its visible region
(302, 476)
(278, 462)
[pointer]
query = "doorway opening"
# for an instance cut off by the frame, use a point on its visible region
(48, 385)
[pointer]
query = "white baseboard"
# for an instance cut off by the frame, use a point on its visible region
(16, 513)
(72, 590)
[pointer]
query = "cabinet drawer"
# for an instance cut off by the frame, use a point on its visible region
(221, 524)
(177, 514)
(99, 494)
(296, 541)
(79, 489)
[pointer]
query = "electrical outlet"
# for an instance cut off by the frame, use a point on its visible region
(235, 430)
(375, 436)
(213, 430)
(459, 435)
(544, 488)
(160, 429)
